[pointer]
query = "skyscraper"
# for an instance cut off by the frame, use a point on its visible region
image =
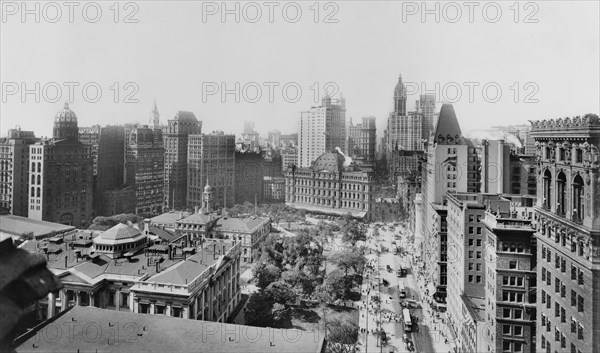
(568, 232)
(61, 175)
(145, 158)
(447, 155)
(404, 130)
(362, 140)
(248, 177)
(211, 159)
(175, 135)
(321, 130)
(14, 171)
(426, 106)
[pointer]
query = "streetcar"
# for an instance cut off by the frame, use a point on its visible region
(407, 320)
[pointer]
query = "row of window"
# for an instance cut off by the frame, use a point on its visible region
(576, 299)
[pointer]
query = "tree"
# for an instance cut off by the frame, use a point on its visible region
(337, 285)
(341, 336)
(281, 292)
(279, 312)
(265, 274)
(26, 236)
(258, 311)
(349, 259)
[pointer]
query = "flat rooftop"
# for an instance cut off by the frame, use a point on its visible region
(89, 329)
(17, 225)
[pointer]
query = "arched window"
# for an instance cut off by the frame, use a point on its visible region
(39, 179)
(578, 198)
(33, 166)
(32, 179)
(39, 167)
(38, 192)
(561, 184)
(32, 191)
(547, 189)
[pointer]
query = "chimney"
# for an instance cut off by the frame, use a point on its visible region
(170, 252)
(66, 259)
(180, 215)
(214, 251)
(223, 253)
(157, 267)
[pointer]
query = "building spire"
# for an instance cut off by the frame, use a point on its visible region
(155, 116)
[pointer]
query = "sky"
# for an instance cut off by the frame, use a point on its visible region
(499, 63)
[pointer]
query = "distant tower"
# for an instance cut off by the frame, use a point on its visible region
(207, 198)
(65, 124)
(155, 117)
(400, 97)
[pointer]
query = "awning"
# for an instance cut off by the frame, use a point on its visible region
(83, 242)
(144, 301)
(177, 305)
(158, 248)
(161, 303)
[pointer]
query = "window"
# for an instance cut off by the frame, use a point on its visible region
(563, 315)
(556, 309)
(518, 330)
(563, 290)
(518, 314)
(478, 242)
(543, 274)
(470, 254)
(479, 254)
(506, 346)
(580, 331)
(478, 279)
(543, 297)
(556, 285)
(506, 312)
(543, 320)
(478, 267)
(471, 218)
(512, 265)
(478, 230)
(580, 303)
(506, 329)
(470, 230)
(470, 266)
(580, 277)
(573, 325)
(518, 347)
(573, 298)
(470, 242)
(556, 334)
(470, 278)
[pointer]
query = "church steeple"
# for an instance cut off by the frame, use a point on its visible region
(207, 198)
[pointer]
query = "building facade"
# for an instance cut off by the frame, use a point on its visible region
(175, 135)
(110, 174)
(211, 159)
(14, 171)
(362, 141)
(61, 175)
(249, 182)
(568, 232)
(145, 169)
(404, 130)
(511, 278)
(321, 129)
(425, 105)
(330, 187)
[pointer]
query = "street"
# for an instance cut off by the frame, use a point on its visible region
(387, 314)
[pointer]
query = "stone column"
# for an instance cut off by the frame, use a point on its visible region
(151, 308)
(186, 312)
(168, 310)
(51, 304)
(77, 298)
(117, 300)
(91, 298)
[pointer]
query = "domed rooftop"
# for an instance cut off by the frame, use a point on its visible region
(329, 162)
(121, 233)
(65, 115)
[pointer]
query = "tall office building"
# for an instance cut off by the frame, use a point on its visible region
(426, 106)
(175, 135)
(61, 175)
(145, 169)
(89, 136)
(362, 141)
(14, 171)
(321, 130)
(568, 233)
(211, 160)
(111, 195)
(447, 155)
(511, 279)
(404, 130)
(248, 177)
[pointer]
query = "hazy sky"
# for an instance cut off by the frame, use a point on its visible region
(180, 52)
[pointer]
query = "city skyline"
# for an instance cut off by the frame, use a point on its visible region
(177, 73)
